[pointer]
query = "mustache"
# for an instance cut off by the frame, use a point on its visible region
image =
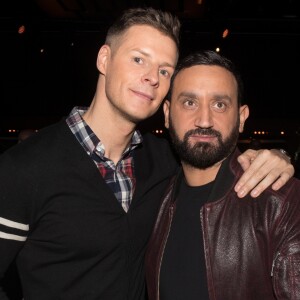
(202, 131)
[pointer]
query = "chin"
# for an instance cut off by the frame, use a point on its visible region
(139, 116)
(136, 118)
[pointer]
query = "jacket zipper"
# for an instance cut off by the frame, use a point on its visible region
(164, 246)
(273, 264)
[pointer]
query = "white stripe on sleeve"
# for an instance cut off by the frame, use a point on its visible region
(13, 224)
(7, 236)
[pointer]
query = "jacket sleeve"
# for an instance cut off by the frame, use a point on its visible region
(14, 221)
(286, 264)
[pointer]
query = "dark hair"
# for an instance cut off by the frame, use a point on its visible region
(209, 58)
(165, 22)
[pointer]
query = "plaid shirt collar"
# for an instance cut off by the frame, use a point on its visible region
(87, 138)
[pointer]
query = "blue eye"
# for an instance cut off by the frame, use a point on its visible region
(164, 72)
(138, 60)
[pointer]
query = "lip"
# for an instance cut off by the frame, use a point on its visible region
(143, 95)
(203, 138)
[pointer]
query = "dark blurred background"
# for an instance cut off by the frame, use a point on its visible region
(49, 47)
(48, 63)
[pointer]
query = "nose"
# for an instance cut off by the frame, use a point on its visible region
(204, 117)
(151, 76)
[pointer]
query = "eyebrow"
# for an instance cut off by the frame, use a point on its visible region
(188, 94)
(215, 96)
(222, 97)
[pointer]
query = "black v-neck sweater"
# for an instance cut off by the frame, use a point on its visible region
(80, 243)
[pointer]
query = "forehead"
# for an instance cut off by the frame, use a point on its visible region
(142, 36)
(196, 78)
(143, 30)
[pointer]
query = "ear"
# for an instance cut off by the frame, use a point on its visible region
(102, 58)
(244, 114)
(166, 108)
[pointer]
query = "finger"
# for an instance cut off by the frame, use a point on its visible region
(267, 181)
(264, 176)
(246, 158)
(266, 163)
(264, 184)
(252, 181)
(256, 172)
(285, 176)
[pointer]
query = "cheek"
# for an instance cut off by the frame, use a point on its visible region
(163, 90)
(225, 125)
(165, 82)
(181, 127)
(120, 73)
(118, 83)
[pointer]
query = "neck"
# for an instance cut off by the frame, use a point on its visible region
(114, 132)
(197, 177)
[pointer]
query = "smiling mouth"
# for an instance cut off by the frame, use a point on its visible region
(143, 95)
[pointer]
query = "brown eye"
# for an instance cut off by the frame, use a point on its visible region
(220, 106)
(189, 104)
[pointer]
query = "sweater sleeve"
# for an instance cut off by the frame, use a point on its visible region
(14, 222)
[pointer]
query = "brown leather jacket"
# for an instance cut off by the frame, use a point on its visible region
(252, 246)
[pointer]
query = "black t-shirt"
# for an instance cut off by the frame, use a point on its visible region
(183, 271)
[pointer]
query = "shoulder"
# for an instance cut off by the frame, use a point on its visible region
(156, 142)
(157, 146)
(45, 145)
(155, 150)
(291, 190)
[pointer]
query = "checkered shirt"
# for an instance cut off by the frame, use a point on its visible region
(120, 177)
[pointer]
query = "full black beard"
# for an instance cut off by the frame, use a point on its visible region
(203, 155)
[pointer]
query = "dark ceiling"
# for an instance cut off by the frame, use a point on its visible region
(86, 9)
(87, 12)
(51, 66)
